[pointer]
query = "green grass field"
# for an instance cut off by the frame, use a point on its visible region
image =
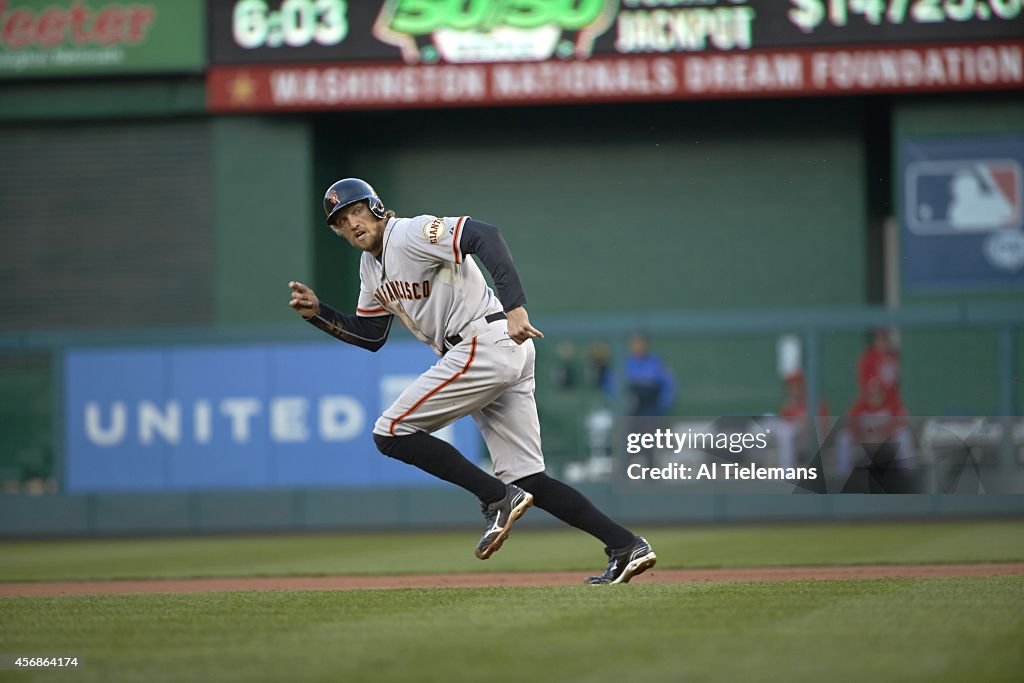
(954, 629)
(407, 553)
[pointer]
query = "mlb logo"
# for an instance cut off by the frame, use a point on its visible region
(966, 196)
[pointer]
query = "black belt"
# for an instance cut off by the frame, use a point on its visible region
(456, 339)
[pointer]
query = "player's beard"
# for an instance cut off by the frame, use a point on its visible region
(372, 239)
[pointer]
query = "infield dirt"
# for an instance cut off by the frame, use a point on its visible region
(508, 579)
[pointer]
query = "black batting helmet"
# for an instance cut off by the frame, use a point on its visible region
(349, 191)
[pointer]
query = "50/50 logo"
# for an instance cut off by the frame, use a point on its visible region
(493, 30)
(427, 16)
(295, 23)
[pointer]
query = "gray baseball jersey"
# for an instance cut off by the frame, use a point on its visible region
(425, 280)
(438, 292)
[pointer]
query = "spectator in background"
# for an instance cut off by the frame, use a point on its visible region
(650, 386)
(564, 373)
(599, 419)
(792, 429)
(876, 425)
(600, 370)
(880, 362)
(649, 382)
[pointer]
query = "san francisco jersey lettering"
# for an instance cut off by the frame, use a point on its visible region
(424, 279)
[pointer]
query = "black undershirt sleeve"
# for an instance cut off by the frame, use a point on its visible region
(486, 241)
(369, 333)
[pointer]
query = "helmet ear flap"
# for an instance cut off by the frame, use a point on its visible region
(376, 207)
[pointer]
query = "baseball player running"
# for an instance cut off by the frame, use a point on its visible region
(419, 270)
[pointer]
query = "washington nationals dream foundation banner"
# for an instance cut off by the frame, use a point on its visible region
(269, 416)
(338, 54)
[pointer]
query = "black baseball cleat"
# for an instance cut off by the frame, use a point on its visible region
(626, 563)
(500, 516)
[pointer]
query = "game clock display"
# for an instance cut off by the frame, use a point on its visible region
(295, 23)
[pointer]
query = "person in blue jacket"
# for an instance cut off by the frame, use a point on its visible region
(650, 383)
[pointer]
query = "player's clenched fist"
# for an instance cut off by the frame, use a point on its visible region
(519, 327)
(303, 300)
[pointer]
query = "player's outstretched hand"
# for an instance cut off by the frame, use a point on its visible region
(519, 327)
(304, 300)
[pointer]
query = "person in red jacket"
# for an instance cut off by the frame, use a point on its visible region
(791, 429)
(877, 422)
(880, 362)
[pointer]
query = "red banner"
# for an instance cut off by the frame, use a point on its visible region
(757, 73)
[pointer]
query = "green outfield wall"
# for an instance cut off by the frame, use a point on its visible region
(951, 371)
(635, 212)
(676, 207)
(368, 509)
(262, 173)
(697, 206)
(68, 102)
